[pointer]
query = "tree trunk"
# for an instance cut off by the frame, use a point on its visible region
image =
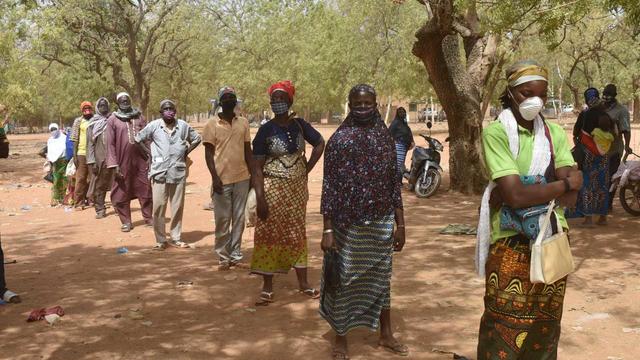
(457, 82)
(575, 92)
(636, 98)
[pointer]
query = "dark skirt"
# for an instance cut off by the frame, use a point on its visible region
(521, 320)
(593, 198)
(364, 265)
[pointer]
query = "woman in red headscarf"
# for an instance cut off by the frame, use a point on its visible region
(280, 181)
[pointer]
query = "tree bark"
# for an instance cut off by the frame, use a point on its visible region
(458, 79)
(636, 98)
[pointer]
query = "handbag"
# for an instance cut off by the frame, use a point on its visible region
(551, 258)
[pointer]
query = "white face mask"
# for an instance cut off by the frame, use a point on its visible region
(530, 107)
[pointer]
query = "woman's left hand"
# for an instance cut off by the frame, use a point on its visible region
(398, 239)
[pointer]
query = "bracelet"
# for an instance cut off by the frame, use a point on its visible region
(327, 231)
(567, 185)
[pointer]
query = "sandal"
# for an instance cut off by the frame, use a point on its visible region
(396, 348)
(180, 244)
(265, 298)
(11, 297)
(159, 246)
(339, 355)
(126, 227)
(310, 292)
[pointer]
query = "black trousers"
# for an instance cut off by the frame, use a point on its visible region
(614, 164)
(3, 284)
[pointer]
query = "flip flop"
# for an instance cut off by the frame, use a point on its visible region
(11, 297)
(159, 246)
(310, 292)
(339, 355)
(396, 348)
(265, 298)
(180, 244)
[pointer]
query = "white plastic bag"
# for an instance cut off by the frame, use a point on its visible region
(71, 169)
(250, 213)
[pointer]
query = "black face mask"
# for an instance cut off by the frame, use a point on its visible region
(228, 105)
(363, 114)
(608, 99)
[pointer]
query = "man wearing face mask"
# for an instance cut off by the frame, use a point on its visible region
(172, 140)
(79, 138)
(96, 156)
(228, 155)
(622, 130)
(128, 161)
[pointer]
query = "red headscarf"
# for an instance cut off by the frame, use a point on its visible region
(286, 86)
(84, 105)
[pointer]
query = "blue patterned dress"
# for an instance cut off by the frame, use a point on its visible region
(361, 191)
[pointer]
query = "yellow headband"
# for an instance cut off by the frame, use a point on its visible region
(527, 74)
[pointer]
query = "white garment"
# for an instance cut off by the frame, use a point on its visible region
(56, 147)
(539, 163)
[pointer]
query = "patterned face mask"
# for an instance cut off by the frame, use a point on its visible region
(279, 107)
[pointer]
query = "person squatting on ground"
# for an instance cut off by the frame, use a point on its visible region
(530, 164)
(79, 138)
(102, 177)
(361, 202)
(280, 170)
(129, 161)
(171, 141)
(227, 143)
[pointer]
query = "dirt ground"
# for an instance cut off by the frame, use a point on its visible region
(70, 259)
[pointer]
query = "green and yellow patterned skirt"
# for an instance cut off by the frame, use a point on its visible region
(59, 186)
(280, 242)
(521, 320)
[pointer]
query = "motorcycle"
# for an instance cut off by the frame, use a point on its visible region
(425, 174)
(627, 178)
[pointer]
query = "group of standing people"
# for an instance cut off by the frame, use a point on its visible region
(528, 159)
(120, 152)
(602, 137)
(361, 202)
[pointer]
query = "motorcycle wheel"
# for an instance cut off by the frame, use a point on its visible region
(630, 198)
(430, 185)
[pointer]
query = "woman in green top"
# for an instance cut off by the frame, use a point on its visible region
(530, 164)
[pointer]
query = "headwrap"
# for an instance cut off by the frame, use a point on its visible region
(122, 94)
(167, 101)
(132, 113)
(226, 90)
(56, 144)
(592, 97)
(610, 90)
(526, 71)
(362, 88)
(286, 86)
(99, 121)
(85, 104)
(361, 181)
